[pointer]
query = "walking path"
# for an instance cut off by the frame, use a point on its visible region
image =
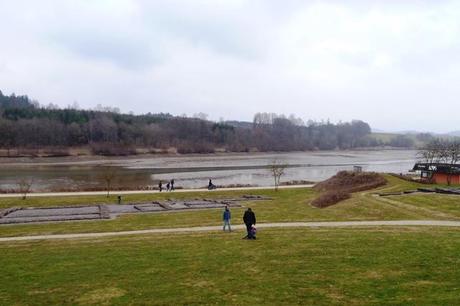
(80, 193)
(259, 226)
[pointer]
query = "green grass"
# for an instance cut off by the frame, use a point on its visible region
(443, 203)
(397, 266)
(395, 184)
(340, 266)
(386, 138)
(287, 205)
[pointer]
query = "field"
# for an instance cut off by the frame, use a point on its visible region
(322, 267)
(287, 205)
(353, 266)
(388, 137)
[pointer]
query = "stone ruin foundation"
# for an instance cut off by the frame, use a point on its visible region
(18, 215)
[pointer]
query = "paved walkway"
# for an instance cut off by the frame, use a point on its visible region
(79, 193)
(239, 227)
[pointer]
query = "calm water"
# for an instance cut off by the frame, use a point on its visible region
(194, 171)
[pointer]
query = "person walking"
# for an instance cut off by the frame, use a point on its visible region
(211, 186)
(249, 219)
(172, 185)
(160, 186)
(168, 186)
(227, 215)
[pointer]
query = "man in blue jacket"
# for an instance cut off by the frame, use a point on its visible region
(226, 217)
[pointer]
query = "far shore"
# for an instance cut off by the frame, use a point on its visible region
(91, 159)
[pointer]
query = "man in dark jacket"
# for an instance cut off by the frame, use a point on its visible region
(249, 219)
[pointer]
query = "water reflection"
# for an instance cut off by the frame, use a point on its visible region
(194, 171)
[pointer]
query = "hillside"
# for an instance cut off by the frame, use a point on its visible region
(26, 127)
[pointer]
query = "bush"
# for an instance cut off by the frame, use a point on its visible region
(330, 198)
(108, 149)
(195, 147)
(340, 186)
(352, 181)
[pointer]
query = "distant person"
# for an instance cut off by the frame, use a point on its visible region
(211, 185)
(160, 186)
(227, 215)
(172, 185)
(249, 219)
(168, 186)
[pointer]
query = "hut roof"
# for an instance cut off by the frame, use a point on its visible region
(438, 168)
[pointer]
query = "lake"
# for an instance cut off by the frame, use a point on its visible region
(193, 171)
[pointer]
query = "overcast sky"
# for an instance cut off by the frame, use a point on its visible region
(394, 64)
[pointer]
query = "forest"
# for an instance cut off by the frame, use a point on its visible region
(26, 124)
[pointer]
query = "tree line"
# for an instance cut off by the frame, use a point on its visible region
(24, 123)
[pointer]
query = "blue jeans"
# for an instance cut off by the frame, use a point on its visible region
(227, 223)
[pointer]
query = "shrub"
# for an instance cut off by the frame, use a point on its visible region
(352, 181)
(330, 198)
(340, 186)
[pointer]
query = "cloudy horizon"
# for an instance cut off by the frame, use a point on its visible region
(392, 64)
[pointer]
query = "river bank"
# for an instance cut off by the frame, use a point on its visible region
(193, 171)
(86, 153)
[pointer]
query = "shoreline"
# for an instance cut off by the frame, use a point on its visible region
(126, 192)
(91, 160)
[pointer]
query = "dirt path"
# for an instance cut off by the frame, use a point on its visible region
(59, 194)
(238, 227)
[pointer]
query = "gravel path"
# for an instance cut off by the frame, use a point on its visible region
(239, 227)
(79, 193)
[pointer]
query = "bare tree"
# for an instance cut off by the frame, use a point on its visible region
(431, 152)
(277, 170)
(25, 184)
(201, 116)
(441, 151)
(108, 175)
(452, 156)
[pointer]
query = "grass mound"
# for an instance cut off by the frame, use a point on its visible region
(330, 198)
(340, 186)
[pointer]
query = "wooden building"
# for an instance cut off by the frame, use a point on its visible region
(439, 173)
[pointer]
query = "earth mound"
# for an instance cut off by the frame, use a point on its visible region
(340, 186)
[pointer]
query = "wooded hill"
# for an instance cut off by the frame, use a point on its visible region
(26, 124)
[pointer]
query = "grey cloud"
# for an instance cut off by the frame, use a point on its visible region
(232, 58)
(233, 32)
(431, 63)
(122, 50)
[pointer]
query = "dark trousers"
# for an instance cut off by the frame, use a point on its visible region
(249, 229)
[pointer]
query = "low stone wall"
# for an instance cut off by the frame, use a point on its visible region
(17, 215)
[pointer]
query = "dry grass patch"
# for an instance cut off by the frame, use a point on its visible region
(340, 186)
(330, 198)
(101, 296)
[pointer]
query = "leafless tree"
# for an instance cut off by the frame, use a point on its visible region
(25, 184)
(451, 156)
(431, 152)
(108, 175)
(201, 116)
(277, 170)
(441, 151)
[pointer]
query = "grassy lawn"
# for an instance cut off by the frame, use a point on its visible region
(287, 205)
(397, 266)
(352, 266)
(394, 184)
(448, 204)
